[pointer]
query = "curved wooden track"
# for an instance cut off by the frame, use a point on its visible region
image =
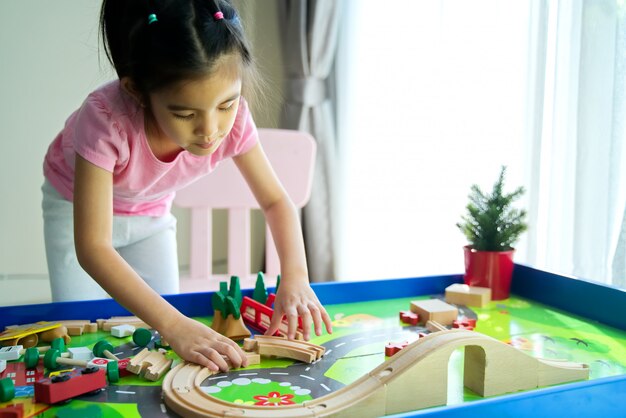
(414, 378)
(282, 347)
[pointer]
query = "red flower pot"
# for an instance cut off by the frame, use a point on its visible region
(492, 269)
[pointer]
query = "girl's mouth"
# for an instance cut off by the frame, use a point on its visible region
(207, 146)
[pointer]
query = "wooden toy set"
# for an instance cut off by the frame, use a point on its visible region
(397, 346)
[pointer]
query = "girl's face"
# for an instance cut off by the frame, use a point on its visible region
(197, 114)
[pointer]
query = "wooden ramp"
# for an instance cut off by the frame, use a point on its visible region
(414, 378)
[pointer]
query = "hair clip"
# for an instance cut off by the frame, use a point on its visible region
(152, 18)
(218, 15)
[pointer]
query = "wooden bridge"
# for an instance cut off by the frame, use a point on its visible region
(414, 378)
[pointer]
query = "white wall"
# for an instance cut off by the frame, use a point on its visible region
(48, 64)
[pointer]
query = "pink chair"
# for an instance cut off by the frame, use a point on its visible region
(292, 155)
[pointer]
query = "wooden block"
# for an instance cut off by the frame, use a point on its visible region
(137, 324)
(91, 327)
(249, 344)
(462, 294)
(253, 358)
(282, 347)
(409, 317)
(121, 331)
(75, 329)
(286, 352)
(152, 363)
(80, 353)
(434, 310)
(107, 324)
(434, 326)
(10, 353)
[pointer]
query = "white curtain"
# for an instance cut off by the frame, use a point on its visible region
(436, 95)
(575, 156)
(309, 29)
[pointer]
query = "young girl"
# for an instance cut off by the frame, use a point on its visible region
(176, 111)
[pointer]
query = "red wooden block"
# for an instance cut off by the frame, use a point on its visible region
(12, 411)
(67, 386)
(409, 317)
(465, 323)
(393, 348)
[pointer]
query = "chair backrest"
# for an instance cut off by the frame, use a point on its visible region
(292, 155)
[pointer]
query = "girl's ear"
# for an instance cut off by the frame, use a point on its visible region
(129, 86)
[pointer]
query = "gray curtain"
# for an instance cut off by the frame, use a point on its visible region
(309, 33)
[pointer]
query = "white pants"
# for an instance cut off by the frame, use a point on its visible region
(147, 243)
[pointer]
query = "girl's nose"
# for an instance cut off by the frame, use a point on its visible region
(207, 127)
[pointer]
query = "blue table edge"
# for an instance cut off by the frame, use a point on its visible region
(567, 293)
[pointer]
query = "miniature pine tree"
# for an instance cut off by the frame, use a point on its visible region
(232, 307)
(235, 289)
(260, 292)
(224, 288)
(491, 224)
(217, 300)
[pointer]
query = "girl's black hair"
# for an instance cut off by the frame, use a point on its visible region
(184, 42)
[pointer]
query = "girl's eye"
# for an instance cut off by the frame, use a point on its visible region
(228, 108)
(183, 117)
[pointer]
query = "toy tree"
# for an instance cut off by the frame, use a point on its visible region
(226, 304)
(260, 292)
(491, 223)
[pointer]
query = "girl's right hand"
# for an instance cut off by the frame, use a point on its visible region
(197, 343)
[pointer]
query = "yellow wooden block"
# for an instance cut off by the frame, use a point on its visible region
(434, 310)
(462, 294)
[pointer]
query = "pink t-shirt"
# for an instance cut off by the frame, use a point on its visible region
(108, 131)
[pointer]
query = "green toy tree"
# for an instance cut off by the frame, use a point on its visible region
(491, 223)
(260, 292)
(235, 289)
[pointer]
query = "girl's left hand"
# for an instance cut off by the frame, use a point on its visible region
(295, 300)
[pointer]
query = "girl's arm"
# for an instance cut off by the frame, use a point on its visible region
(93, 222)
(295, 296)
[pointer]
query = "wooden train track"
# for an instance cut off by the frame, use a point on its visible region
(267, 345)
(414, 378)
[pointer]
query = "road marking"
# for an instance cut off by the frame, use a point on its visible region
(248, 374)
(307, 377)
(307, 369)
(125, 392)
(284, 374)
(325, 387)
(358, 339)
(218, 377)
(339, 345)
(328, 352)
(163, 409)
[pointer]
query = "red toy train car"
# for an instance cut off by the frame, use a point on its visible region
(69, 385)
